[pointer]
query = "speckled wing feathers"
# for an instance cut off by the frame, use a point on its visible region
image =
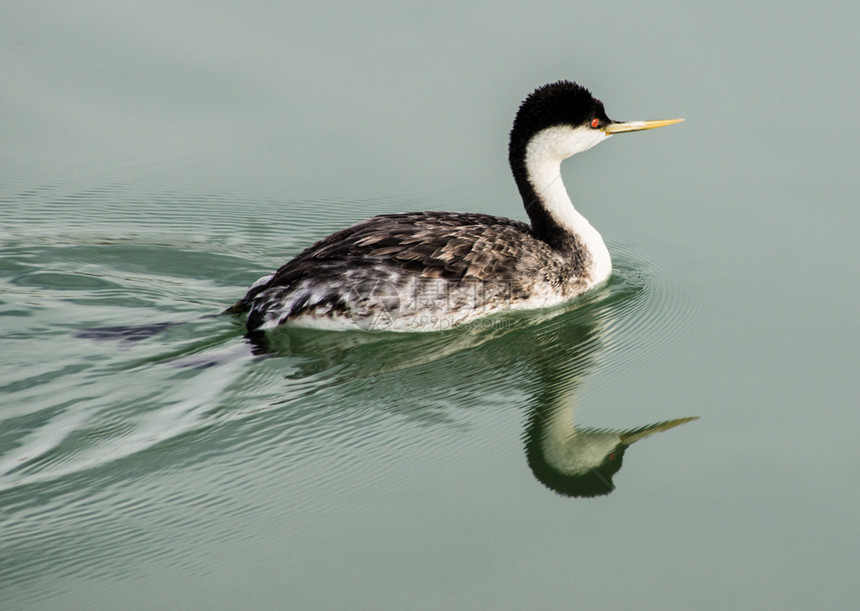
(401, 249)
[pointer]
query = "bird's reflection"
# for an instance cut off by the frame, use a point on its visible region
(559, 348)
(575, 460)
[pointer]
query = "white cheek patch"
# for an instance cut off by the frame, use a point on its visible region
(561, 142)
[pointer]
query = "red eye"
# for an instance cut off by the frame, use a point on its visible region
(595, 122)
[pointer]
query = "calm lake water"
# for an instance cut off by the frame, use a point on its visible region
(156, 160)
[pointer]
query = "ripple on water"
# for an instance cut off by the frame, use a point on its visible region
(62, 281)
(644, 306)
(138, 435)
(632, 300)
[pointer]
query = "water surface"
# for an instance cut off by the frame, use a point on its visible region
(156, 161)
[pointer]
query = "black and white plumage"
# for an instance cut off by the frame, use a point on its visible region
(426, 271)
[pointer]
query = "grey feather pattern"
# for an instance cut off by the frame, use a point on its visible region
(482, 260)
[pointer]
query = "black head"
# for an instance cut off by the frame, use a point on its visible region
(561, 103)
(555, 105)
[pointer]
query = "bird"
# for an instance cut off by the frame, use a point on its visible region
(431, 271)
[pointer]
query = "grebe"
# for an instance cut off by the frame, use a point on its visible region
(425, 271)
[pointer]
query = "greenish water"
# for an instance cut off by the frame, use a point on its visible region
(156, 161)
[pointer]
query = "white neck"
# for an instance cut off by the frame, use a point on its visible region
(544, 154)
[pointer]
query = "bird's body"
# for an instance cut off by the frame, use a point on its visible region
(427, 271)
(416, 272)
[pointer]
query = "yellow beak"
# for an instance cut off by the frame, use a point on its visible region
(637, 126)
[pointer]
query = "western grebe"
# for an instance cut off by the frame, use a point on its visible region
(425, 271)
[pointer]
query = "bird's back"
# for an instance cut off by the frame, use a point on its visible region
(401, 271)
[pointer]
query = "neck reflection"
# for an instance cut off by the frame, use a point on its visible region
(573, 460)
